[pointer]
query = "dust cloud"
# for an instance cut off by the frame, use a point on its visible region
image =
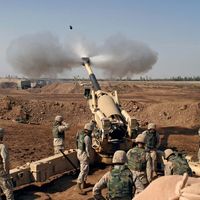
(43, 55)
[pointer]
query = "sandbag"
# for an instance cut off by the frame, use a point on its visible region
(174, 187)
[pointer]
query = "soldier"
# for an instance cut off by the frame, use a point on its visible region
(58, 131)
(121, 183)
(84, 154)
(199, 146)
(175, 164)
(139, 161)
(5, 182)
(152, 141)
(135, 128)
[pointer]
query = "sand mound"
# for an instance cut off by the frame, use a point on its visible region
(66, 88)
(166, 114)
(62, 88)
(5, 85)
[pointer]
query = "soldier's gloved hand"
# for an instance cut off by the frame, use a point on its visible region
(65, 124)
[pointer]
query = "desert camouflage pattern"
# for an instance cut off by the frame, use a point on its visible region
(119, 157)
(58, 144)
(139, 162)
(198, 155)
(137, 186)
(177, 165)
(58, 132)
(152, 142)
(5, 181)
(80, 141)
(151, 139)
(137, 159)
(84, 158)
(120, 183)
(84, 166)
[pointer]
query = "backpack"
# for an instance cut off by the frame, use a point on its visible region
(137, 159)
(120, 183)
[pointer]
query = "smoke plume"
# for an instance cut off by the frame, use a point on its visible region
(121, 57)
(42, 54)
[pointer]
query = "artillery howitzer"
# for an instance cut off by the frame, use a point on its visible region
(114, 127)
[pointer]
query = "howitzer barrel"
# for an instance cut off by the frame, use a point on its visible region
(86, 64)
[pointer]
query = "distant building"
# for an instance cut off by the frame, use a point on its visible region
(38, 83)
(24, 84)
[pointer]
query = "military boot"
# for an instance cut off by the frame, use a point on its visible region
(79, 189)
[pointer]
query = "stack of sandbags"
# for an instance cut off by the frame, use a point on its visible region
(172, 188)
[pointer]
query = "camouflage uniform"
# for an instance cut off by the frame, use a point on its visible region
(135, 128)
(5, 181)
(199, 146)
(175, 164)
(120, 181)
(58, 132)
(84, 155)
(139, 162)
(152, 141)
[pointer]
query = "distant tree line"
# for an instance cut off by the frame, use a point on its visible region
(186, 78)
(148, 78)
(128, 78)
(173, 78)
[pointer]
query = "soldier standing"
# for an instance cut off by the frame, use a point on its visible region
(152, 141)
(175, 164)
(199, 146)
(139, 161)
(120, 181)
(5, 182)
(84, 149)
(58, 131)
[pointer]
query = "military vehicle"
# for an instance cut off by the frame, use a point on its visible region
(114, 127)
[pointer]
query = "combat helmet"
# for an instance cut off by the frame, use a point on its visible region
(151, 126)
(140, 139)
(58, 118)
(88, 126)
(167, 153)
(119, 157)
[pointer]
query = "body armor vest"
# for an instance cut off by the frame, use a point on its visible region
(151, 140)
(137, 160)
(120, 183)
(80, 141)
(56, 133)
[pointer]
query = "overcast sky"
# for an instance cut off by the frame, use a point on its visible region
(171, 28)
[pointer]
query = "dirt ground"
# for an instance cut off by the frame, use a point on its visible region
(27, 117)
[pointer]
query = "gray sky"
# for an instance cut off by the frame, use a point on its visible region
(171, 28)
